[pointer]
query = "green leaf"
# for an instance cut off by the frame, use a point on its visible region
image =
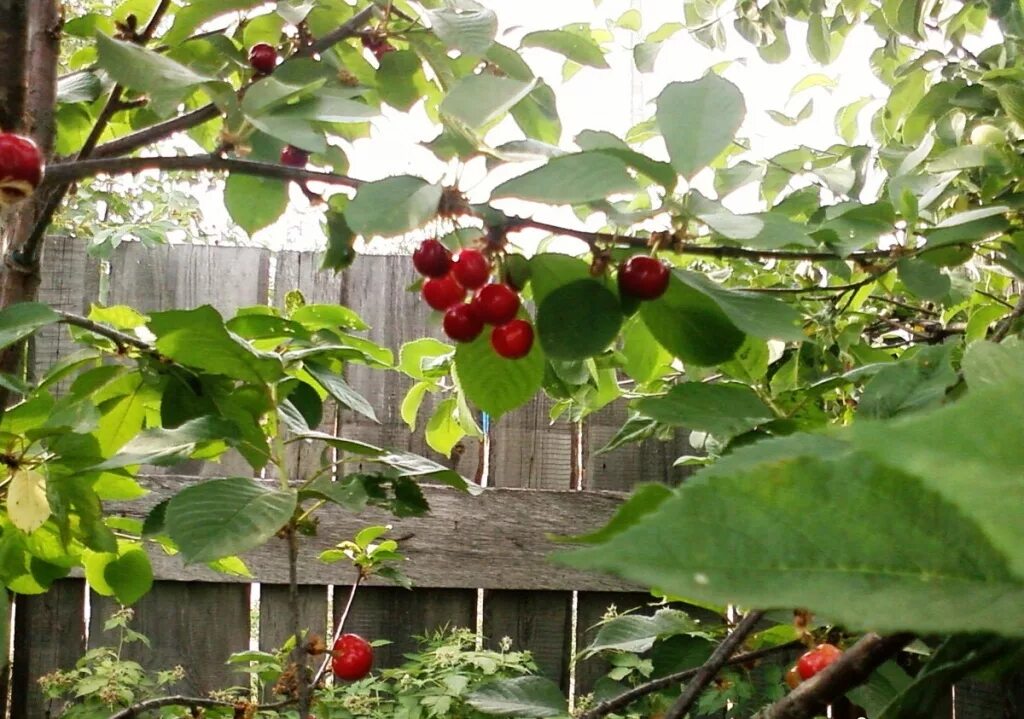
(81, 86)
(724, 410)
(571, 179)
(197, 12)
(691, 325)
(130, 576)
(568, 331)
(645, 499)
(443, 430)
(913, 383)
(699, 120)
(144, 70)
(519, 697)
(223, 517)
(905, 17)
(969, 227)
(465, 26)
(255, 202)
(197, 338)
(27, 504)
(636, 633)
(412, 401)
(495, 384)
(573, 46)
(477, 100)
(20, 320)
(415, 356)
(393, 206)
(341, 391)
(755, 314)
(924, 279)
(164, 447)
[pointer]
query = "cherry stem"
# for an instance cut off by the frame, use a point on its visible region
(338, 630)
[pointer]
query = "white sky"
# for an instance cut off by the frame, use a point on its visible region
(610, 100)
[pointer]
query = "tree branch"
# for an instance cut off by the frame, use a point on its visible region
(344, 31)
(623, 700)
(1007, 323)
(713, 665)
(121, 339)
(851, 669)
(73, 171)
(13, 59)
(137, 710)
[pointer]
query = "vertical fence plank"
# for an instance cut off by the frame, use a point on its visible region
(49, 634)
(301, 271)
(398, 615)
(191, 624)
(538, 621)
(184, 277)
(375, 287)
(69, 281)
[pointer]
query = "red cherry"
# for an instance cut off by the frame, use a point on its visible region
(443, 292)
(352, 657)
(21, 168)
(496, 304)
(644, 278)
(377, 45)
(817, 659)
(462, 323)
(513, 340)
(294, 156)
(471, 268)
(432, 259)
(263, 58)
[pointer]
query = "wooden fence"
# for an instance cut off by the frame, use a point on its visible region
(476, 562)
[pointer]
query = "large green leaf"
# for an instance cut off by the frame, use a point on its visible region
(519, 697)
(574, 46)
(163, 447)
(495, 384)
(198, 338)
(885, 566)
(342, 391)
(578, 320)
(144, 70)
(916, 382)
(691, 326)
(255, 202)
(392, 206)
(465, 25)
(756, 314)
(19, 321)
(476, 100)
(223, 517)
(197, 12)
(571, 179)
(699, 120)
(637, 633)
(130, 576)
(723, 410)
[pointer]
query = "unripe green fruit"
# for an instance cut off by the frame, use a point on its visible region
(987, 135)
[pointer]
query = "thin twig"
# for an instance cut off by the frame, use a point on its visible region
(851, 669)
(1007, 323)
(904, 305)
(706, 673)
(137, 710)
(299, 652)
(121, 339)
(991, 296)
(73, 171)
(338, 629)
(628, 697)
(344, 31)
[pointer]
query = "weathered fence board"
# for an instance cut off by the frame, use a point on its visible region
(538, 621)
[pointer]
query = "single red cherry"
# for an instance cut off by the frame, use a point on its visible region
(294, 156)
(496, 304)
(817, 659)
(432, 259)
(352, 657)
(513, 340)
(378, 45)
(263, 58)
(21, 168)
(471, 268)
(644, 278)
(462, 323)
(443, 292)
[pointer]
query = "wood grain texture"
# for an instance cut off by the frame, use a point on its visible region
(69, 281)
(494, 541)
(375, 287)
(527, 450)
(538, 621)
(49, 634)
(188, 276)
(196, 626)
(399, 615)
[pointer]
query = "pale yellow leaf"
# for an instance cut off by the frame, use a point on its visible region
(27, 505)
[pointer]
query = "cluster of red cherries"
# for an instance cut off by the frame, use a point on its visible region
(811, 663)
(449, 280)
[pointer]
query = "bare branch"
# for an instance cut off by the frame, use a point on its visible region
(13, 58)
(338, 630)
(713, 665)
(851, 669)
(73, 171)
(628, 697)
